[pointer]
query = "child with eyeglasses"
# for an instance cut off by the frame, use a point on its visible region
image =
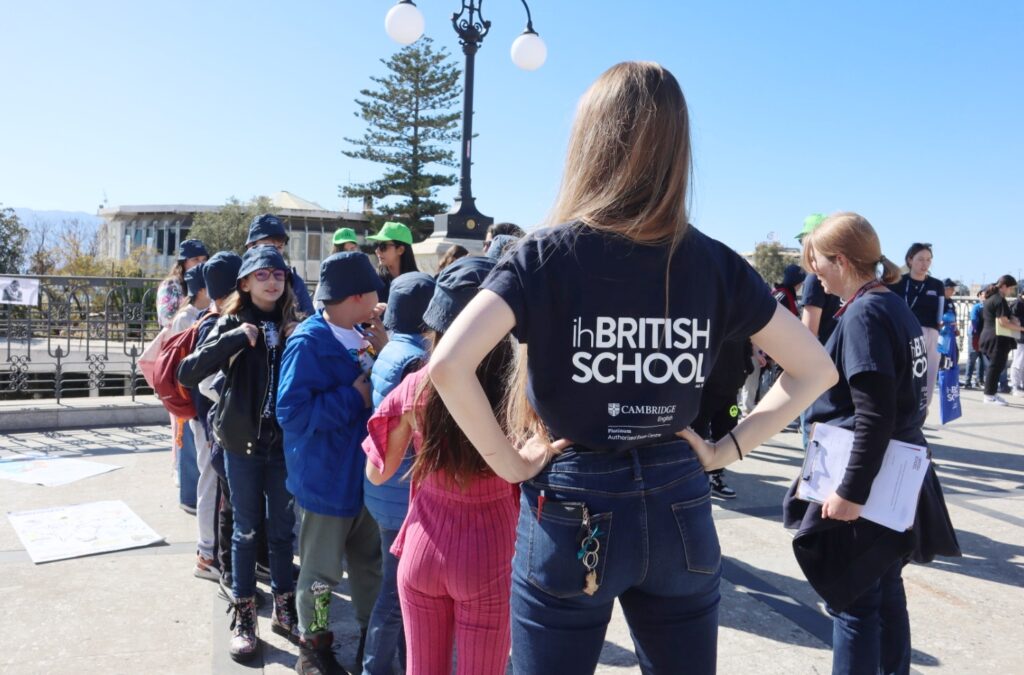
(246, 344)
(393, 245)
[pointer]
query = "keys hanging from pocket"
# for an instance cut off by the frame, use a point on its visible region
(587, 554)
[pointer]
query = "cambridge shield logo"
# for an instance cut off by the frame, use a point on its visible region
(614, 409)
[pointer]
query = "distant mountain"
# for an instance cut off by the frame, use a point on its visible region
(30, 217)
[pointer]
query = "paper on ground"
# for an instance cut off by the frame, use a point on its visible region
(51, 471)
(83, 529)
(895, 490)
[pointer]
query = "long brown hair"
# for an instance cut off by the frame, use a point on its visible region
(445, 447)
(852, 235)
(627, 172)
(177, 275)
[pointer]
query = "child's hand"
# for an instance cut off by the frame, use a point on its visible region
(251, 332)
(362, 385)
(376, 335)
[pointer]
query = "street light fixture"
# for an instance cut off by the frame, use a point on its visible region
(404, 24)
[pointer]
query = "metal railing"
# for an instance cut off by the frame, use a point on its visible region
(84, 338)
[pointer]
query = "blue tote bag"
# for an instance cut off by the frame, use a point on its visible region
(949, 387)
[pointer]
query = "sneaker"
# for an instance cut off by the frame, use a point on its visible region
(190, 510)
(285, 619)
(1018, 393)
(244, 637)
(206, 568)
(995, 400)
(719, 488)
(227, 593)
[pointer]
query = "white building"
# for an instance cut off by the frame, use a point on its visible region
(162, 227)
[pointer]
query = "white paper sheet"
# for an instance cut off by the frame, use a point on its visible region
(83, 529)
(895, 490)
(51, 471)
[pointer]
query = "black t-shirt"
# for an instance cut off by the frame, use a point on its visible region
(815, 296)
(925, 298)
(878, 333)
(609, 369)
(1018, 311)
(990, 343)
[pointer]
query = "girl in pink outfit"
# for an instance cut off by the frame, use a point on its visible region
(456, 544)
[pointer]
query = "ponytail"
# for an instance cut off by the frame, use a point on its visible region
(890, 271)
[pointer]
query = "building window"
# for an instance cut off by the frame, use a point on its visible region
(313, 246)
(297, 246)
(160, 243)
(172, 242)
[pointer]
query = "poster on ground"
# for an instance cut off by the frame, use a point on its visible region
(19, 291)
(50, 471)
(65, 532)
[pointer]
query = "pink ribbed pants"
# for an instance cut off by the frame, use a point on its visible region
(454, 582)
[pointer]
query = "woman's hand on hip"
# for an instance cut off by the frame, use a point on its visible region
(706, 452)
(836, 508)
(535, 455)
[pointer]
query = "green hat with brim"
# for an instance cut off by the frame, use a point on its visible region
(391, 231)
(343, 235)
(811, 223)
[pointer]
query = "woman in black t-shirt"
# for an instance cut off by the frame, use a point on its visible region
(621, 308)
(925, 295)
(996, 313)
(879, 351)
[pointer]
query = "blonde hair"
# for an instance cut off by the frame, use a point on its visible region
(851, 235)
(627, 172)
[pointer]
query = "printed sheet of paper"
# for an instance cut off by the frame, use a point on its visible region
(51, 471)
(895, 490)
(83, 529)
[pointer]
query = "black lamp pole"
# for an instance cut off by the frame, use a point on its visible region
(465, 221)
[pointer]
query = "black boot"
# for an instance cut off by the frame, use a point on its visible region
(316, 656)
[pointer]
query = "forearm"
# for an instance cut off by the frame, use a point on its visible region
(807, 372)
(874, 401)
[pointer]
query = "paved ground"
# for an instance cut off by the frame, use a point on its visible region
(142, 611)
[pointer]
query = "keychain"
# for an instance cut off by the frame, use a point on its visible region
(588, 553)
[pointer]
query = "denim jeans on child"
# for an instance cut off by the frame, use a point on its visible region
(385, 638)
(188, 467)
(257, 487)
(872, 636)
(650, 512)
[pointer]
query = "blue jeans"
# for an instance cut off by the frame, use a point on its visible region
(872, 635)
(188, 468)
(976, 358)
(257, 488)
(385, 636)
(650, 509)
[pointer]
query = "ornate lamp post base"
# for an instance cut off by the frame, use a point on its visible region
(463, 223)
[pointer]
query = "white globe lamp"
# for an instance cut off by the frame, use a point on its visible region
(404, 23)
(528, 51)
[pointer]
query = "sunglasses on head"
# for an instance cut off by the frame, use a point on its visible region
(263, 275)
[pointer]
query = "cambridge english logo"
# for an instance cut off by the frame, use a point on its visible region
(614, 409)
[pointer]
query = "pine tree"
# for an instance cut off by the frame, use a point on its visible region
(412, 122)
(13, 237)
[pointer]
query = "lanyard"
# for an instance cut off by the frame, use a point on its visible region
(906, 292)
(874, 283)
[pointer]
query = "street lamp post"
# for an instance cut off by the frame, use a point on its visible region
(404, 23)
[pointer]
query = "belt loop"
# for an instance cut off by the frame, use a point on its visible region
(637, 473)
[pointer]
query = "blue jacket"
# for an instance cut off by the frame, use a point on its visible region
(388, 503)
(324, 421)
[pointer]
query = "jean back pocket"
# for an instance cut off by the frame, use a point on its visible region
(554, 560)
(697, 529)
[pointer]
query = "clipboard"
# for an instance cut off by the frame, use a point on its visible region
(892, 501)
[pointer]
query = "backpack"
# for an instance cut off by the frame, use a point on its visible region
(176, 398)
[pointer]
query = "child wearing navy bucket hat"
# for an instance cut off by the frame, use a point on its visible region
(267, 229)
(323, 404)
(246, 345)
(404, 354)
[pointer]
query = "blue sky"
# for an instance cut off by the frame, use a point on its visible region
(907, 112)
